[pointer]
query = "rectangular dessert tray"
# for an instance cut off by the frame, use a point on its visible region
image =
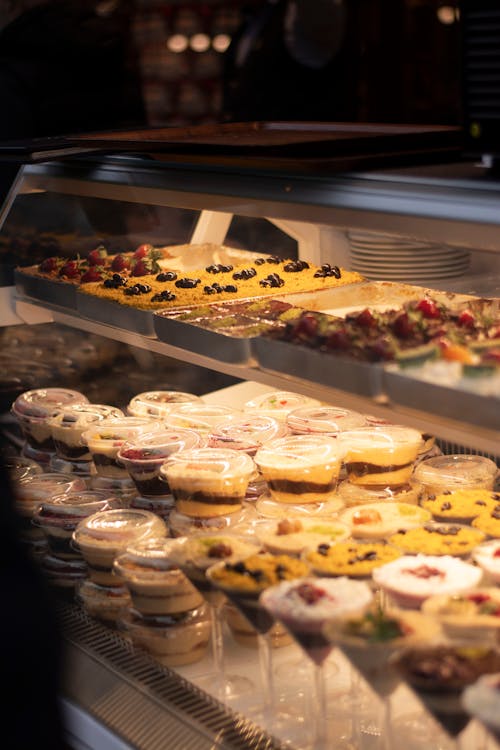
(113, 313)
(61, 293)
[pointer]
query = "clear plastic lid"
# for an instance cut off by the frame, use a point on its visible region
(119, 528)
(114, 432)
(201, 417)
(457, 471)
(353, 494)
(207, 466)
(41, 403)
(279, 404)
(45, 486)
(388, 438)
(201, 550)
(73, 506)
(19, 467)
(246, 434)
(81, 416)
(329, 420)
(296, 451)
(154, 448)
(146, 558)
(169, 625)
(158, 403)
(182, 525)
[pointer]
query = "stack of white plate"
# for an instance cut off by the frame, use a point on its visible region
(381, 256)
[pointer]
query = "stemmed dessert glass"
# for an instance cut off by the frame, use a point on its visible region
(194, 566)
(304, 606)
(242, 584)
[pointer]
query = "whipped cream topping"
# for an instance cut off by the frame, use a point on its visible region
(425, 575)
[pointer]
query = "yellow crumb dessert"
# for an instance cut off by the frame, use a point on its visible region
(438, 539)
(270, 278)
(461, 504)
(489, 521)
(257, 572)
(350, 558)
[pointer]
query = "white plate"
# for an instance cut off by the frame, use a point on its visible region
(391, 266)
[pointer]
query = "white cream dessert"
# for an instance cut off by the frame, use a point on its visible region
(473, 615)
(159, 403)
(144, 456)
(380, 520)
(156, 584)
(383, 455)
(68, 425)
(106, 438)
(326, 420)
(304, 605)
(101, 537)
(291, 536)
(208, 481)
(411, 579)
(175, 639)
(34, 408)
(201, 417)
(300, 469)
(487, 556)
(278, 404)
(106, 603)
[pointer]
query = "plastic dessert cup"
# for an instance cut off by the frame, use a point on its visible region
(173, 640)
(278, 404)
(103, 535)
(161, 505)
(471, 616)
(487, 556)
(357, 494)
(182, 525)
(33, 409)
(300, 469)
(156, 584)
(159, 403)
(243, 582)
(208, 481)
(106, 603)
(195, 555)
(327, 508)
(411, 579)
(456, 472)
(59, 516)
(304, 606)
(325, 420)
(201, 417)
(105, 440)
(382, 456)
(380, 520)
(246, 434)
(20, 467)
(65, 575)
(144, 456)
(69, 423)
(291, 536)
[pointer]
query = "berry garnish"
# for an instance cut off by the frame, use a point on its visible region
(97, 256)
(310, 593)
(429, 308)
(95, 273)
(50, 264)
(142, 251)
(120, 263)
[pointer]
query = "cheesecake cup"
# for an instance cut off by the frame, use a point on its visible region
(382, 456)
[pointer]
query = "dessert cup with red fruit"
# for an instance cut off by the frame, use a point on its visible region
(105, 439)
(144, 456)
(159, 403)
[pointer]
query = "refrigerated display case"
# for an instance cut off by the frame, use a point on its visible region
(115, 696)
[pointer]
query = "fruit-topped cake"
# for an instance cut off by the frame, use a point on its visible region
(208, 481)
(304, 605)
(438, 539)
(300, 469)
(411, 579)
(349, 558)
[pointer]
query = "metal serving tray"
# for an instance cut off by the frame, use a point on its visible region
(121, 316)
(61, 293)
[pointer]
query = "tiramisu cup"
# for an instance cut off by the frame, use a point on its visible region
(105, 439)
(156, 584)
(68, 425)
(159, 403)
(33, 410)
(59, 516)
(300, 469)
(102, 536)
(382, 455)
(143, 457)
(208, 481)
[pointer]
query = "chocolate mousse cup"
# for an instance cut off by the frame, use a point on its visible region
(144, 456)
(382, 456)
(33, 410)
(300, 469)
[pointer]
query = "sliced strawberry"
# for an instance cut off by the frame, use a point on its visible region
(97, 256)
